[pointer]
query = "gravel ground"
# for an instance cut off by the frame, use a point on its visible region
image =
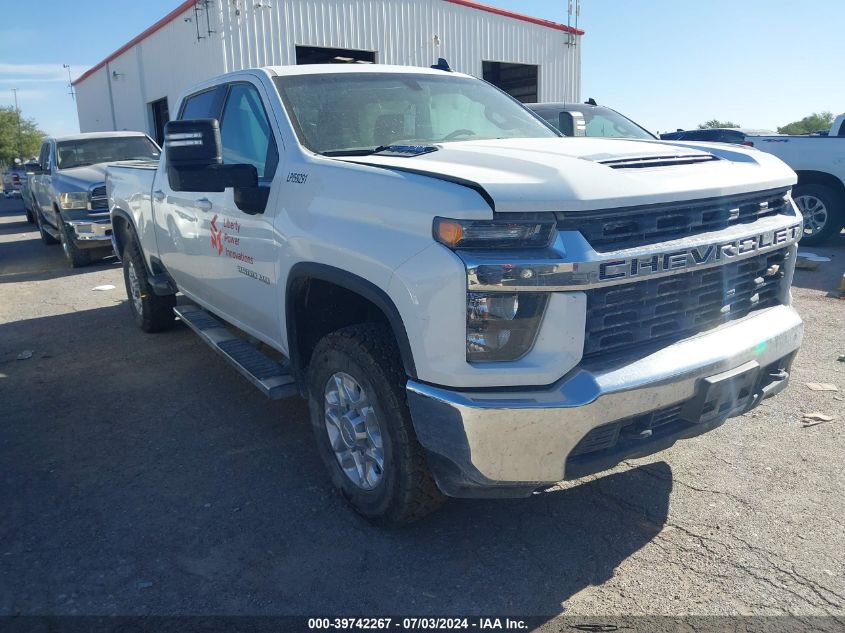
(141, 476)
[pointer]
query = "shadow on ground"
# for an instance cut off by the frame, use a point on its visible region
(142, 476)
(828, 276)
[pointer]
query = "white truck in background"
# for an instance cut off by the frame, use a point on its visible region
(819, 161)
(472, 304)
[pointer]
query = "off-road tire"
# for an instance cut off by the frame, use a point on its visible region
(156, 312)
(46, 237)
(76, 257)
(368, 353)
(834, 203)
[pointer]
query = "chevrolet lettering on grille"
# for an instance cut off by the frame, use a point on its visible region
(696, 256)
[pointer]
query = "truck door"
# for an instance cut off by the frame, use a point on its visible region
(242, 249)
(179, 215)
(41, 185)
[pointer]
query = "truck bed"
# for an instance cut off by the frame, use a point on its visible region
(129, 187)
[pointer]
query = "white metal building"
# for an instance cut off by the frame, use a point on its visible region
(136, 87)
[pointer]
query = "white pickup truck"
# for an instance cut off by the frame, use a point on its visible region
(472, 304)
(819, 161)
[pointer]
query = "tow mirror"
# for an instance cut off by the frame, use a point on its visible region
(193, 143)
(572, 124)
(195, 158)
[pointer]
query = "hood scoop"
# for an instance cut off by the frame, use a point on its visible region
(643, 162)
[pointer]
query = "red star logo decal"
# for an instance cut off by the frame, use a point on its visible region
(216, 236)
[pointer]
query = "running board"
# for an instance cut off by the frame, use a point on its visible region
(273, 379)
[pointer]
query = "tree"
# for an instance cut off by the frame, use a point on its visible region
(809, 124)
(717, 123)
(30, 137)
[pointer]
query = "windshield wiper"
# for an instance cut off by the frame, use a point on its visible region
(398, 149)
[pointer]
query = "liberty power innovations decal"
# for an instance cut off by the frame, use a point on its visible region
(226, 239)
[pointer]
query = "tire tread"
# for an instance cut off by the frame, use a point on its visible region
(376, 351)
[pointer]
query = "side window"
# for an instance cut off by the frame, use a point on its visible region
(44, 156)
(246, 133)
(203, 105)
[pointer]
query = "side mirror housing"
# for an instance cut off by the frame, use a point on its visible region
(195, 158)
(193, 143)
(572, 124)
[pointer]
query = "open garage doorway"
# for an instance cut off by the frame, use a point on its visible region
(518, 80)
(319, 55)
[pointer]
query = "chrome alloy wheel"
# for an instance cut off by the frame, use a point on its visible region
(814, 212)
(354, 431)
(134, 288)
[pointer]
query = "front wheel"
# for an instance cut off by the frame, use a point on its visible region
(823, 210)
(363, 428)
(152, 313)
(76, 257)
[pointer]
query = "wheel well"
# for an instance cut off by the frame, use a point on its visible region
(317, 306)
(820, 178)
(120, 228)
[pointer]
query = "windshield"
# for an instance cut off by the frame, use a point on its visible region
(91, 151)
(353, 113)
(600, 121)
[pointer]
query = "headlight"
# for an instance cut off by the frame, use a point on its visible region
(503, 326)
(498, 233)
(74, 200)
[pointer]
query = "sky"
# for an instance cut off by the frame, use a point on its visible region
(666, 64)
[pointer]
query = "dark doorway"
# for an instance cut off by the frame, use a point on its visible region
(518, 80)
(161, 115)
(319, 55)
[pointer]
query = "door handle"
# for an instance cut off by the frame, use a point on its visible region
(159, 195)
(203, 204)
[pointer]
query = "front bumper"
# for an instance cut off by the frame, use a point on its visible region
(91, 233)
(512, 442)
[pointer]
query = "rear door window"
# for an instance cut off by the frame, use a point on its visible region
(203, 105)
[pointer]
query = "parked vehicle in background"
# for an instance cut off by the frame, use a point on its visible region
(737, 136)
(819, 162)
(472, 306)
(29, 168)
(589, 119)
(69, 190)
(12, 181)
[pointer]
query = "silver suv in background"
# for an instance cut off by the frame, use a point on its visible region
(69, 193)
(589, 119)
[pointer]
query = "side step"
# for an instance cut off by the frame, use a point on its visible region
(273, 379)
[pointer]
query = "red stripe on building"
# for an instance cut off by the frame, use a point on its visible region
(188, 4)
(167, 19)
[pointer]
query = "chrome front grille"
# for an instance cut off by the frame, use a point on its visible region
(99, 199)
(615, 229)
(657, 312)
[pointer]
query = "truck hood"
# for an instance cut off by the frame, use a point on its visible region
(580, 174)
(80, 178)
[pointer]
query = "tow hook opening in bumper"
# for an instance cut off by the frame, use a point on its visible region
(717, 398)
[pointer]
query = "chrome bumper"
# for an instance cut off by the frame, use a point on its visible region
(509, 443)
(91, 233)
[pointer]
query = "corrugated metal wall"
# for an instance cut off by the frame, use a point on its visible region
(254, 33)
